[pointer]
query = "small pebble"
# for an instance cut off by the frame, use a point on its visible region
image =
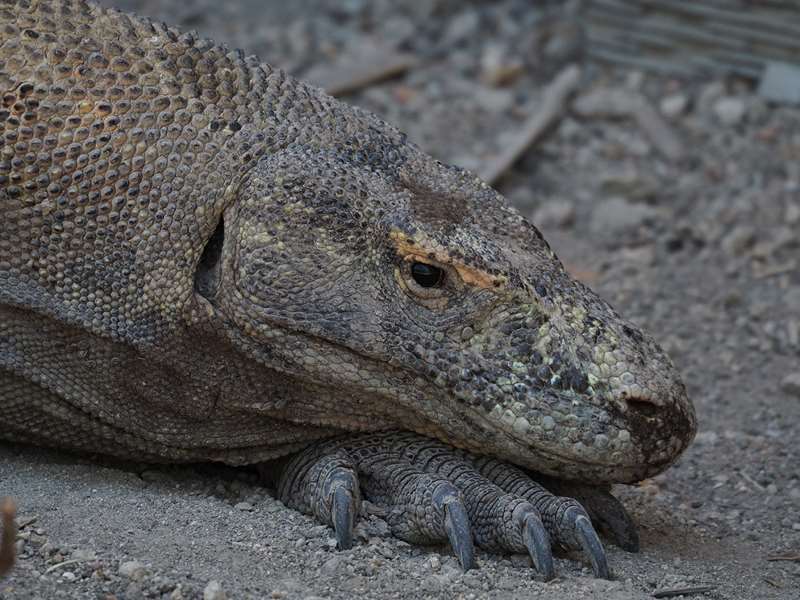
(674, 105)
(214, 591)
(730, 110)
(132, 569)
(791, 384)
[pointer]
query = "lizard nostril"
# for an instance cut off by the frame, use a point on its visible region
(643, 406)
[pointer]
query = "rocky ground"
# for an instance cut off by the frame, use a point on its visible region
(699, 243)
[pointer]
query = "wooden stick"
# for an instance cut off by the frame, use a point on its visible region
(553, 107)
(9, 536)
(686, 591)
(791, 557)
(375, 64)
(658, 131)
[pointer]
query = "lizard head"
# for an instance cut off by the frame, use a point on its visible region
(416, 297)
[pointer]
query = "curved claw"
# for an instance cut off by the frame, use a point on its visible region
(342, 513)
(538, 544)
(592, 546)
(456, 524)
(608, 514)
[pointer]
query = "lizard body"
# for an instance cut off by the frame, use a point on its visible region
(202, 258)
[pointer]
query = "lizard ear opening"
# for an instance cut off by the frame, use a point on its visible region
(209, 269)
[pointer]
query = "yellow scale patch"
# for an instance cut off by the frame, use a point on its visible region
(424, 249)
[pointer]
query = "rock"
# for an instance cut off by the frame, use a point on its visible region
(709, 95)
(177, 593)
(68, 576)
(607, 103)
(564, 43)
(628, 182)
(738, 240)
(556, 213)
(214, 591)
(498, 67)
(792, 215)
(791, 384)
(434, 563)
(730, 110)
(674, 105)
(397, 30)
(330, 566)
(244, 506)
(617, 215)
(496, 101)
(780, 83)
(462, 26)
(133, 569)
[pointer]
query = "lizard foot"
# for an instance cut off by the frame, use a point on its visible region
(325, 485)
(432, 493)
(420, 507)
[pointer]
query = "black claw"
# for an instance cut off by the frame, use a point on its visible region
(607, 513)
(456, 524)
(592, 546)
(538, 544)
(342, 513)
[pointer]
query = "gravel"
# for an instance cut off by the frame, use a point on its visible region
(702, 251)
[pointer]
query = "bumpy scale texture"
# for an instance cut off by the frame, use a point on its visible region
(204, 259)
(126, 146)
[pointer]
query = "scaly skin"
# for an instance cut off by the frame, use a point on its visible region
(204, 259)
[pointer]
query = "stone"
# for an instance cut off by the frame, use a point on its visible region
(628, 182)
(133, 570)
(674, 105)
(730, 110)
(709, 95)
(498, 67)
(556, 213)
(738, 240)
(780, 83)
(791, 384)
(462, 26)
(607, 103)
(214, 591)
(244, 506)
(618, 215)
(493, 100)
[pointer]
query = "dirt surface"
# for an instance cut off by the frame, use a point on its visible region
(702, 250)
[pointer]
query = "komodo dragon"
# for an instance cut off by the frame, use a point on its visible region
(203, 259)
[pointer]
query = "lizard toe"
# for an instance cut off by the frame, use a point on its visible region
(326, 485)
(565, 519)
(606, 512)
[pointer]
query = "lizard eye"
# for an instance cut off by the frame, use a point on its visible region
(426, 275)
(428, 283)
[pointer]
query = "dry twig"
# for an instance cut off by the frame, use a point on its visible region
(685, 591)
(553, 107)
(787, 556)
(372, 65)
